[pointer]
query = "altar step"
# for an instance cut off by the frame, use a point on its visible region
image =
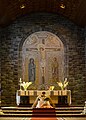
(43, 115)
(30, 111)
(27, 112)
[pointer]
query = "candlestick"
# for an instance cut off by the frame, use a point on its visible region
(20, 81)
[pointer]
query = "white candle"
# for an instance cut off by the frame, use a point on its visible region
(20, 79)
(65, 79)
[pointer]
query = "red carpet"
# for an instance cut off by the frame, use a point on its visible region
(44, 118)
(44, 114)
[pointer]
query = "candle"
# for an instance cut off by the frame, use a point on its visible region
(20, 79)
(65, 79)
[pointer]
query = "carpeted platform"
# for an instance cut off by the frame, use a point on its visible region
(44, 112)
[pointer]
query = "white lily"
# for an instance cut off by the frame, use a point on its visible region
(51, 87)
(26, 85)
(63, 85)
(60, 84)
(1, 112)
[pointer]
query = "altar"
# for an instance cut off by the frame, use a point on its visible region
(57, 96)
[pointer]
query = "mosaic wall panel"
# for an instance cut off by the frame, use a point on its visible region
(43, 59)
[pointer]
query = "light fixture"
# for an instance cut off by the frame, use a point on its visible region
(22, 6)
(62, 6)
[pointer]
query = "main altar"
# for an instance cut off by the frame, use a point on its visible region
(60, 97)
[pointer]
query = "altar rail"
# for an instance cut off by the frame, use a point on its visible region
(54, 94)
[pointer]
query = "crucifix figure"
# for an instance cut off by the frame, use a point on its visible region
(41, 49)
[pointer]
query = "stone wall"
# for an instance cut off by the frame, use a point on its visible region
(12, 38)
(85, 45)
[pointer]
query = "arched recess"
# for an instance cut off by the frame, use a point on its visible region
(46, 50)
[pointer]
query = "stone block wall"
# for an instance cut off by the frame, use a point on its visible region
(85, 44)
(12, 38)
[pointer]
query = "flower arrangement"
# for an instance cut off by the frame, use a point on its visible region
(63, 85)
(25, 85)
(1, 112)
(51, 88)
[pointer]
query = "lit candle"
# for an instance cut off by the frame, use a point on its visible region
(65, 79)
(20, 79)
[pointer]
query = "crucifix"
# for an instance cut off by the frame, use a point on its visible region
(41, 49)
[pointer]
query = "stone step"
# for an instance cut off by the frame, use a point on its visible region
(41, 112)
(43, 115)
(30, 112)
(29, 108)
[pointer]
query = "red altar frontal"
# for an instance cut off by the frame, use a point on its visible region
(57, 96)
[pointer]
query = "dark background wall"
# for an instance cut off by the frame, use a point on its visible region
(85, 46)
(73, 38)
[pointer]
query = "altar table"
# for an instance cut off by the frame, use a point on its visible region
(56, 95)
